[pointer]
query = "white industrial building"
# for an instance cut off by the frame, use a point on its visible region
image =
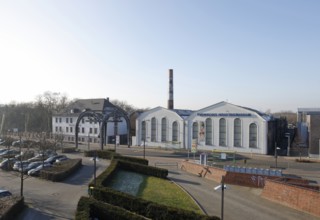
(222, 126)
(89, 128)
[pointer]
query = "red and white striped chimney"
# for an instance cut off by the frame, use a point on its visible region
(170, 101)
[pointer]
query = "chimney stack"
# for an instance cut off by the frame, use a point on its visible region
(170, 101)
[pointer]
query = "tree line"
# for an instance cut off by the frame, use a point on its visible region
(37, 116)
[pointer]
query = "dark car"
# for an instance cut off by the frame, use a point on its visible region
(36, 171)
(54, 158)
(4, 193)
(31, 166)
(17, 165)
(7, 164)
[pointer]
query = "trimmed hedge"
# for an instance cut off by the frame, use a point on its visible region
(144, 169)
(131, 159)
(89, 208)
(145, 208)
(104, 154)
(69, 149)
(62, 170)
(14, 210)
(104, 177)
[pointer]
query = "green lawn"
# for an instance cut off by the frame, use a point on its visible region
(167, 193)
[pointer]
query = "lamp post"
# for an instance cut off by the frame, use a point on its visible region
(94, 166)
(221, 187)
(276, 155)
(288, 149)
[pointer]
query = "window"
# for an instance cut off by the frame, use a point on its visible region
(195, 130)
(56, 120)
(60, 120)
(237, 133)
(253, 135)
(67, 120)
(90, 131)
(67, 129)
(82, 121)
(60, 129)
(153, 130)
(164, 129)
(208, 131)
(222, 132)
(143, 131)
(71, 121)
(96, 130)
(71, 130)
(82, 130)
(175, 131)
(56, 129)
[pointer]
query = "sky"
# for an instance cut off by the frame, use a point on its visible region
(258, 54)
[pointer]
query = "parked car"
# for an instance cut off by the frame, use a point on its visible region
(7, 164)
(25, 155)
(17, 143)
(31, 166)
(61, 159)
(9, 153)
(4, 193)
(17, 165)
(36, 171)
(54, 158)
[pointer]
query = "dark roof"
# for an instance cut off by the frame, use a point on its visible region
(183, 112)
(81, 105)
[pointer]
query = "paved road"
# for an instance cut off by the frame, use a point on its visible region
(48, 200)
(52, 200)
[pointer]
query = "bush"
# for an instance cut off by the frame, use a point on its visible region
(90, 208)
(14, 210)
(131, 159)
(68, 149)
(104, 154)
(145, 208)
(143, 169)
(62, 170)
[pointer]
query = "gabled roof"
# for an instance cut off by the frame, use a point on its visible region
(81, 105)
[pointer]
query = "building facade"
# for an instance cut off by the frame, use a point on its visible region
(222, 126)
(308, 121)
(64, 123)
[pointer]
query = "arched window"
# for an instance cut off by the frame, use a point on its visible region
(153, 129)
(164, 129)
(195, 130)
(253, 140)
(208, 131)
(175, 131)
(222, 132)
(143, 131)
(237, 133)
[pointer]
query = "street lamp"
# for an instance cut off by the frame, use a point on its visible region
(95, 159)
(288, 149)
(221, 187)
(276, 155)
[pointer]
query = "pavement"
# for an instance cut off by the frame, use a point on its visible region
(239, 202)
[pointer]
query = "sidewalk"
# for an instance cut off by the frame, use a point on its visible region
(239, 202)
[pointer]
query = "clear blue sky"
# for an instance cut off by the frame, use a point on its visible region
(258, 54)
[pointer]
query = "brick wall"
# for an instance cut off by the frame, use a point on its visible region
(292, 196)
(210, 173)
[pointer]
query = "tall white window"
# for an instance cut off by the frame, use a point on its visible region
(143, 131)
(195, 130)
(253, 131)
(237, 133)
(153, 129)
(175, 131)
(163, 129)
(208, 131)
(222, 132)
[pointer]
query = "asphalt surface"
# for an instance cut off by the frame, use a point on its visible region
(47, 200)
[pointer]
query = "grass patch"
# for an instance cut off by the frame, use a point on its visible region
(166, 193)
